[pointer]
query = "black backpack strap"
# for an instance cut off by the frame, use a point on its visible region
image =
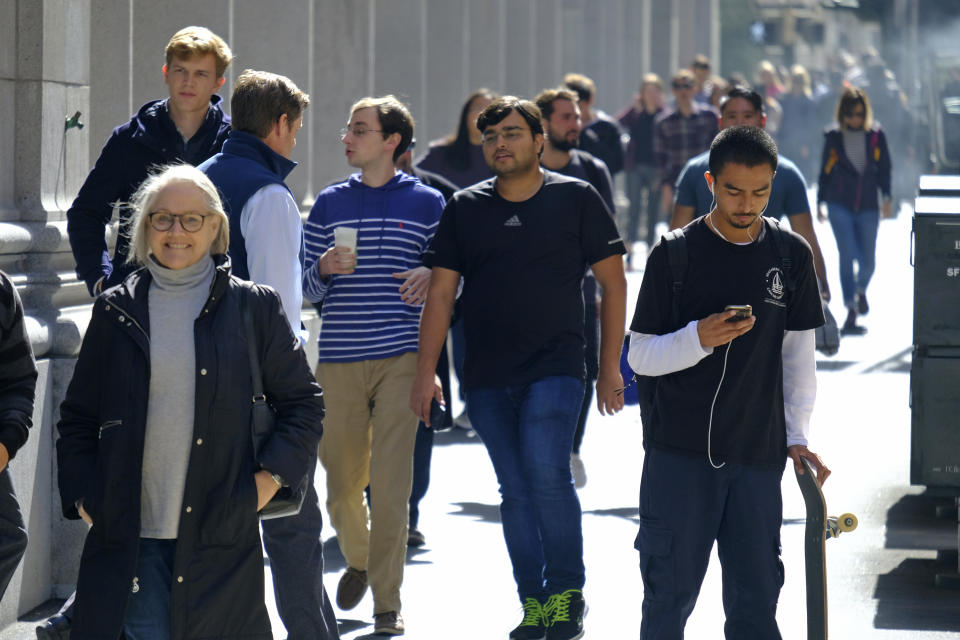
(780, 241)
(675, 244)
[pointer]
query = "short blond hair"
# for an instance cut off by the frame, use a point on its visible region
(143, 200)
(651, 79)
(199, 41)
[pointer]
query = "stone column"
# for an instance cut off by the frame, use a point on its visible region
(44, 73)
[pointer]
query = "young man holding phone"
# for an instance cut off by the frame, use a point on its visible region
(736, 382)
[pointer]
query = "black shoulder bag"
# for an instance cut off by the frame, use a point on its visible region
(287, 500)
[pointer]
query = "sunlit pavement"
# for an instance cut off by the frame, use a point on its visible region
(880, 576)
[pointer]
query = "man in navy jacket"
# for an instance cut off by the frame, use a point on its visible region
(187, 126)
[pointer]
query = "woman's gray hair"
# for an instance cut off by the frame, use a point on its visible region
(143, 200)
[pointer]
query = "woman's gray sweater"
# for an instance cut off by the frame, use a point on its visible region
(176, 298)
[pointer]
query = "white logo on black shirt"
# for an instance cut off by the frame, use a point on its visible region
(513, 222)
(775, 286)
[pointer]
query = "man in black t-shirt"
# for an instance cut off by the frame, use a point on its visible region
(521, 242)
(733, 397)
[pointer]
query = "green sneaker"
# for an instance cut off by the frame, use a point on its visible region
(532, 627)
(564, 615)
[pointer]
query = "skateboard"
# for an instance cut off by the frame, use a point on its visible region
(819, 528)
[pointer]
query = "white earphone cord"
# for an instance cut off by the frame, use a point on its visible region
(712, 405)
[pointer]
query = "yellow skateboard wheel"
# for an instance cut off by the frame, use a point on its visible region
(847, 522)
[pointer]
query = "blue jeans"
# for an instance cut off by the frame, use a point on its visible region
(422, 455)
(856, 234)
(528, 431)
(686, 505)
(148, 610)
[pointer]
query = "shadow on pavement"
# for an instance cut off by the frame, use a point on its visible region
(907, 597)
(349, 625)
(897, 363)
(913, 523)
(834, 365)
(627, 513)
(478, 511)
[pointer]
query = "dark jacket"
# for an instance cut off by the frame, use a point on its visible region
(245, 166)
(602, 139)
(100, 456)
(841, 183)
(18, 371)
(149, 139)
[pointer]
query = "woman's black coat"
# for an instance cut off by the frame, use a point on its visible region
(218, 581)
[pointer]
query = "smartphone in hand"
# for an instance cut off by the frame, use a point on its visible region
(744, 311)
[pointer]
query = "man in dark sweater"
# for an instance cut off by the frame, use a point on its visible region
(18, 379)
(187, 126)
(601, 135)
(266, 247)
(643, 187)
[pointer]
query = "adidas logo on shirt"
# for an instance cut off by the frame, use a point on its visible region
(513, 222)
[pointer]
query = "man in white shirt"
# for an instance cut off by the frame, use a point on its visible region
(266, 247)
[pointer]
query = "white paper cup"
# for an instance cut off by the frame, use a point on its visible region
(346, 237)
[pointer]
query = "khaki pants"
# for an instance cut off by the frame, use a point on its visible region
(368, 437)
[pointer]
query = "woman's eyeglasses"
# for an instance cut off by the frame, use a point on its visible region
(163, 221)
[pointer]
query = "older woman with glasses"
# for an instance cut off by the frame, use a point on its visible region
(854, 171)
(155, 448)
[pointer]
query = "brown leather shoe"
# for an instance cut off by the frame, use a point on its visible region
(353, 584)
(389, 623)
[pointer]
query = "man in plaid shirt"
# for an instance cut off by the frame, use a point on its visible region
(681, 134)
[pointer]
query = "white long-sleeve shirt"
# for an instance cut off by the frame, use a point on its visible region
(655, 355)
(273, 232)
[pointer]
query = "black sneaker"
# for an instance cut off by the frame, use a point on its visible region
(54, 628)
(862, 307)
(850, 326)
(532, 627)
(415, 538)
(564, 615)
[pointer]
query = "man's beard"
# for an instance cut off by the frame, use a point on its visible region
(561, 143)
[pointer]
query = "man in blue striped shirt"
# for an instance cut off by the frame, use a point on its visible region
(372, 299)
